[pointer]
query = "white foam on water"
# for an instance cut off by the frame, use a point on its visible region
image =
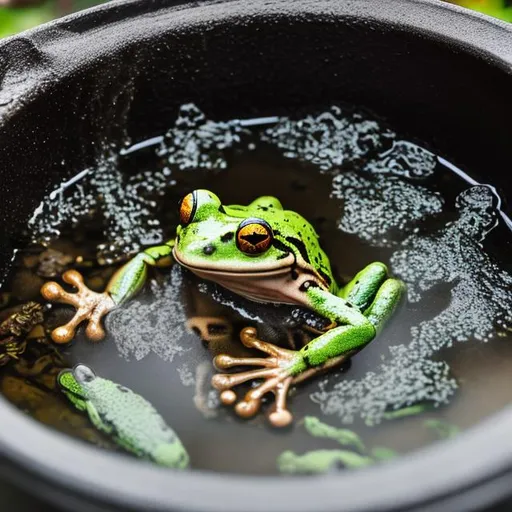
(382, 196)
(154, 324)
(128, 217)
(403, 159)
(198, 143)
(376, 208)
(481, 295)
(331, 139)
(186, 376)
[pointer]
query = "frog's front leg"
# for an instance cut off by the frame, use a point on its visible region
(93, 306)
(283, 366)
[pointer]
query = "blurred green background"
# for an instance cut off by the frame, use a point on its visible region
(17, 15)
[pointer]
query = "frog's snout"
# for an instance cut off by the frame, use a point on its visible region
(209, 249)
(83, 374)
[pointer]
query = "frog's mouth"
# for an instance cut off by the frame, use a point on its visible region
(280, 285)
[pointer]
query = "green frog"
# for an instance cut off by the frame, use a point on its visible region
(129, 419)
(264, 253)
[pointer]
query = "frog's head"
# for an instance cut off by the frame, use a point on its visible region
(74, 384)
(259, 251)
(232, 239)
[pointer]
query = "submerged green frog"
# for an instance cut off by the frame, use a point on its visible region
(130, 420)
(264, 253)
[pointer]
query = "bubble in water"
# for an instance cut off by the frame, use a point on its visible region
(59, 208)
(198, 143)
(156, 325)
(330, 139)
(481, 295)
(376, 207)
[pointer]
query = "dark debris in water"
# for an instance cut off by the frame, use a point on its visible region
(14, 329)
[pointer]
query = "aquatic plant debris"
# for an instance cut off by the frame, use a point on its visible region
(195, 142)
(345, 437)
(481, 294)
(442, 429)
(152, 324)
(321, 461)
(354, 456)
(15, 328)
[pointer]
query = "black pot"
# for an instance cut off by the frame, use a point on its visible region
(436, 72)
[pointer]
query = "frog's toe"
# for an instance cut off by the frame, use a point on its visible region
(247, 408)
(224, 362)
(249, 338)
(274, 371)
(63, 334)
(280, 418)
(94, 330)
(279, 384)
(228, 397)
(54, 292)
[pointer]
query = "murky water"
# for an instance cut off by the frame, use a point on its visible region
(371, 196)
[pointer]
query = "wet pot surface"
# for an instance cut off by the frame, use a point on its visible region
(130, 87)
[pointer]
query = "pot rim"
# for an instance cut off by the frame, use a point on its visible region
(477, 464)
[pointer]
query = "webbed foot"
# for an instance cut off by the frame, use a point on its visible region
(275, 372)
(89, 305)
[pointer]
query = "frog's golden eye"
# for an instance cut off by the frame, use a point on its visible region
(254, 236)
(188, 208)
